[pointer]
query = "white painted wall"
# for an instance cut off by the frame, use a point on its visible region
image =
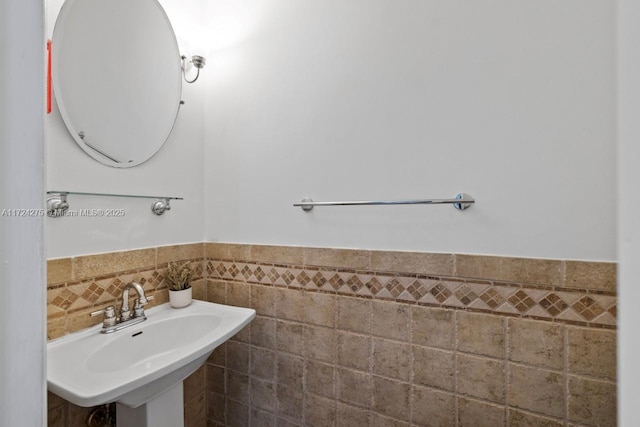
(510, 101)
(628, 92)
(177, 170)
(22, 278)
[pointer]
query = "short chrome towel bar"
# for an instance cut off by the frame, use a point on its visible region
(461, 201)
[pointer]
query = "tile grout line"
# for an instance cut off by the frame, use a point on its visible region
(335, 360)
(565, 371)
(370, 369)
(412, 358)
(249, 374)
(507, 370)
(456, 415)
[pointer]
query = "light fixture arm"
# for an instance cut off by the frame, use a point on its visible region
(198, 61)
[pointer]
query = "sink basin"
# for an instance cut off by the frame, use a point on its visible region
(137, 364)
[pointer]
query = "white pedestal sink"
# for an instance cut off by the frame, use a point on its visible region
(142, 367)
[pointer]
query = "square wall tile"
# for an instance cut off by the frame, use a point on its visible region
(391, 397)
(354, 350)
(263, 300)
(263, 395)
(592, 352)
(590, 275)
(481, 377)
(290, 304)
(354, 387)
(379, 420)
(320, 378)
(536, 343)
(472, 413)
(354, 314)
(290, 337)
(319, 309)
(481, 334)
(391, 320)
(592, 402)
(263, 364)
(319, 411)
(351, 416)
(290, 370)
(524, 419)
(433, 408)
(392, 359)
(320, 343)
(433, 327)
(290, 403)
(433, 368)
(536, 390)
(59, 271)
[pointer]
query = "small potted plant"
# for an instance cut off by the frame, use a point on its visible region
(178, 277)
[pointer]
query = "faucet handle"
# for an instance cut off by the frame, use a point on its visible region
(138, 307)
(149, 298)
(109, 316)
(109, 311)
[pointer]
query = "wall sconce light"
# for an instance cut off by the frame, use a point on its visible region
(197, 61)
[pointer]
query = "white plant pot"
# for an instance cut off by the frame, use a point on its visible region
(180, 299)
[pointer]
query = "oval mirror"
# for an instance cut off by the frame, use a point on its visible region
(116, 77)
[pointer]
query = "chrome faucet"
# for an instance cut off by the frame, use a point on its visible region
(138, 305)
(111, 323)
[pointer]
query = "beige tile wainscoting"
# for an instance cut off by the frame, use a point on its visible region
(375, 338)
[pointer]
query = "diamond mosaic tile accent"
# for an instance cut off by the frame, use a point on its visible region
(417, 289)
(246, 272)
(210, 268)
(65, 299)
(336, 281)
(156, 278)
(259, 273)
(553, 304)
(394, 287)
(374, 285)
(233, 270)
(319, 280)
(303, 278)
(492, 298)
(115, 287)
(355, 284)
(198, 269)
(288, 277)
(440, 292)
(466, 295)
(521, 301)
(221, 269)
(273, 275)
(93, 292)
(588, 308)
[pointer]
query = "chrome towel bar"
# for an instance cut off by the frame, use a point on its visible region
(461, 201)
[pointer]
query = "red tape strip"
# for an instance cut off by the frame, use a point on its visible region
(48, 76)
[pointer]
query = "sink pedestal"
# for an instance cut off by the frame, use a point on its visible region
(164, 410)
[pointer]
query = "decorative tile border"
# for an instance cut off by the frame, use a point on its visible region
(574, 292)
(557, 304)
(541, 273)
(69, 304)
